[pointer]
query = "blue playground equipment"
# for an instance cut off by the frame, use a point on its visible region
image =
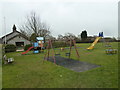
(38, 46)
(36, 51)
(35, 45)
(100, 34)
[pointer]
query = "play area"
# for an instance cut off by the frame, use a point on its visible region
(83, 65)
(69, 63)
(36, 46)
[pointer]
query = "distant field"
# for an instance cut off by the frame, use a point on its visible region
(29, 71)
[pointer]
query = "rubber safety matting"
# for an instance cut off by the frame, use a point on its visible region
(74, 65)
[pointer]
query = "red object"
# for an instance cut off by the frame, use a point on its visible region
(48, 51)
(27, 50)
(76, 49)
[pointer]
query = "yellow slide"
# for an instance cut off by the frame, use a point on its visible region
(93, 44)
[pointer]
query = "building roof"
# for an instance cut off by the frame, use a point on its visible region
(10, 34)
(19, 34)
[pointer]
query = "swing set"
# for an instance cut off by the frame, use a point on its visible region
(50, 46)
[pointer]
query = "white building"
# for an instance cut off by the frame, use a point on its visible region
(15, 37)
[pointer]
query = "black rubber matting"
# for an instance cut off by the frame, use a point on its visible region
(74, 65)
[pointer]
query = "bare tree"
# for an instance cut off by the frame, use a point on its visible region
(34, 25)
(24, 33)
(68, 36)
(60, 37)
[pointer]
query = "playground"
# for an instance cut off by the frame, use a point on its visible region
(97, 69)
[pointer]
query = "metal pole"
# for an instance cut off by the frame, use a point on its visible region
(5, 30)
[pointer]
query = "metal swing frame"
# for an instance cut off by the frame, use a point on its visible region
(49, 46)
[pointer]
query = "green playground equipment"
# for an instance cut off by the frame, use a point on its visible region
(111, 51)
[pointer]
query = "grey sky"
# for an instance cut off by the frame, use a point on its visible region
(64, 16)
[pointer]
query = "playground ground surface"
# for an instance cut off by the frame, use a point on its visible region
(29, 71)
(72, 64)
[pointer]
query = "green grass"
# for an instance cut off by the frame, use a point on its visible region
(29, 71)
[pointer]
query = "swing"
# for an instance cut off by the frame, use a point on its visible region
(57, 54)
(67, 54)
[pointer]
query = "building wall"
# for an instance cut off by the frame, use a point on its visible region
(11, 35)
(18, 39)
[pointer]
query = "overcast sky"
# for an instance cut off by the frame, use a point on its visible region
(63, 16)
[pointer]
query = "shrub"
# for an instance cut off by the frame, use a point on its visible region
(10, 48)
(27, 46)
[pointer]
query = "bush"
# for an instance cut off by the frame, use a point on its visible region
(10, 48)
(27, 46)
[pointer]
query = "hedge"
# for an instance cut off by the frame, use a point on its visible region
(10, 48)
(58, 44)
(54, 44)
(27, 46)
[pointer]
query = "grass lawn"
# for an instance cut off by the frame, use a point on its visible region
(29, 71)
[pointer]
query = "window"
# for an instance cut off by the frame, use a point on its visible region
(20, 44)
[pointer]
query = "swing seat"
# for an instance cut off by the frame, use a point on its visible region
(67, 54)
(57, 54)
